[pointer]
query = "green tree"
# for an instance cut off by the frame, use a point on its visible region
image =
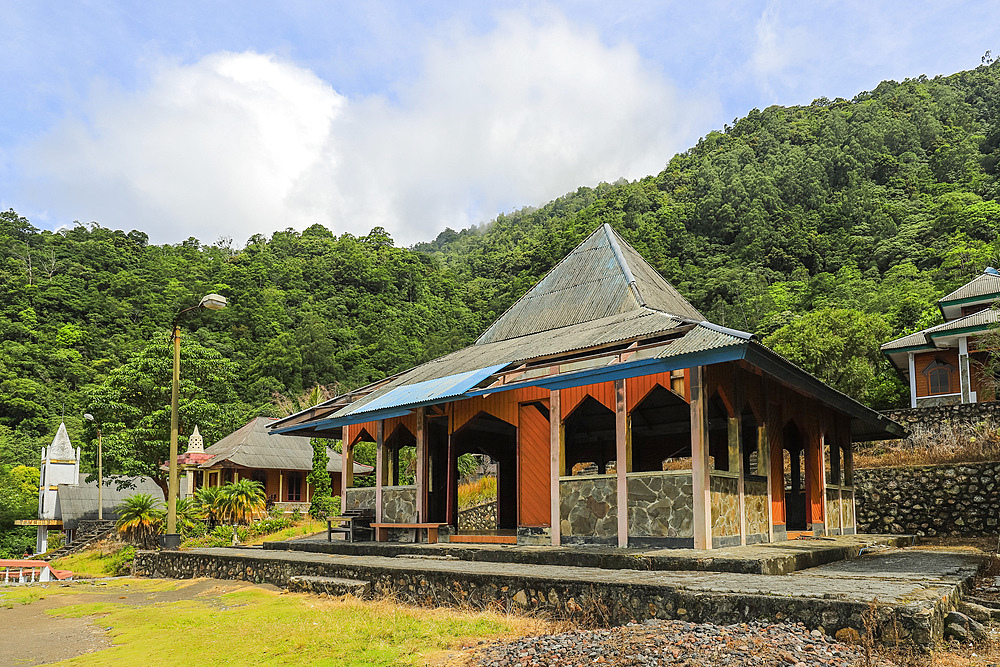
(841, 347)
(242, 501)
(140, 519)
(133, 404)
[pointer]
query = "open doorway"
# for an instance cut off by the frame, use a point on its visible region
(793, 453)
(486, 495)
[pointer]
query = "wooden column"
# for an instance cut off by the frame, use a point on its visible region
(764, 459)
(699, 463)
(736, 446)
(822, 482)
(621, 461)
(380, 468)
(555, 464)
(346, 469)
(421, 480)
(281, 477)
(451, 495)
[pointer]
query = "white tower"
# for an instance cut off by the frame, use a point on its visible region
(60, 465)
(196, 445)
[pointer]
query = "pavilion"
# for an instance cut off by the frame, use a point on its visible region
(618, 415)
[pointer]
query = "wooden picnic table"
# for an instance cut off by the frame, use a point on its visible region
(350, 523)
(382, 530)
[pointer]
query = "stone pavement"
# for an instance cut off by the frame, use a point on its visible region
(767, 558)
(908, 590)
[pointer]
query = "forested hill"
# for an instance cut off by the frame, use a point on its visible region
(857, 214)
(827, 229)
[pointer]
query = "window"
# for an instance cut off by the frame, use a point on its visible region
(939, 380)
(294, 487)
(938, 374)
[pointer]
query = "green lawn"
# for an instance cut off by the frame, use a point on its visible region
(252, 625)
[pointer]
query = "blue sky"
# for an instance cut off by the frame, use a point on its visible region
(226, 119)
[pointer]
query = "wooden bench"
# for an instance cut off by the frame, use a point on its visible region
(351, 523)
(382, 530)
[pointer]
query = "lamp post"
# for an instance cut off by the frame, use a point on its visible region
(172, 540)
(100, 468)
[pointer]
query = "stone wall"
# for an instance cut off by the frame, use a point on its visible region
(935, 417)
(725, 499)
(957, 499)
(660, 505)
(399, 504)
(478, 517)
(588, 508)
(357, 498)
(609, 603)
(755, 502)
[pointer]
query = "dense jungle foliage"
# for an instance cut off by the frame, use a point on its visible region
(826, 229)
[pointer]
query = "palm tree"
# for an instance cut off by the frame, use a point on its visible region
(140, 518)
(210, 502)
(188, 514)
(243, 500)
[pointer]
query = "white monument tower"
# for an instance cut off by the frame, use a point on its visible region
(60, 465)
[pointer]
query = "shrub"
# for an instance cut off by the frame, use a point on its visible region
(120, 563)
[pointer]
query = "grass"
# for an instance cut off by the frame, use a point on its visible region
(476, 493)
(305, 527)
(279, 628)
(945, 444)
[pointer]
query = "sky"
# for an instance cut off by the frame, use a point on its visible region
(221, 120)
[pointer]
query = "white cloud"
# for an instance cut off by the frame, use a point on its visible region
(237, 144)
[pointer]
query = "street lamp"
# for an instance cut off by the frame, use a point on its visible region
(100, 468)
(172, 540)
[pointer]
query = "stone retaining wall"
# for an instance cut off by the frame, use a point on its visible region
(602, 602)
(935, 417)
(725, 500)
(957, 500)
(478, 517)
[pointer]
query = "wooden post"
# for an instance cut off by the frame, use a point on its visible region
(451, 494)
(379, 467)
(421, 480)
(555, 464)
(621, 461)
(736, 446)
(281, 477)
(822, 483)
(346, 467)
(699, 463)
(764, 459)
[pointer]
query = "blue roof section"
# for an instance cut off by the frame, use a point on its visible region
(429, 391)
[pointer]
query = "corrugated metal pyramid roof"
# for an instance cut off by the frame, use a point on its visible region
(604, 276)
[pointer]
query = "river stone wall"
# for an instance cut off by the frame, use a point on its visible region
(660, 505)
(609, 603)
(588, 509)
(956, 500)
(939, 417)
(478, 517)
(725, 499)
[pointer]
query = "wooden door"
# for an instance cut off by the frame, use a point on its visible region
(533, 465)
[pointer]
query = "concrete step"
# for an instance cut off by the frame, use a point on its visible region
(330, 585)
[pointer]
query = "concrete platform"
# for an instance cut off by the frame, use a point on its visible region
(908, 590)
(770, 558)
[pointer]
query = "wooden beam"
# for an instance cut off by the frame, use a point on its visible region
(699, 462)
(621, 461)
(555, 464)
(380, 468)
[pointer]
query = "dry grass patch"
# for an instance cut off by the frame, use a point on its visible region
(945, 444)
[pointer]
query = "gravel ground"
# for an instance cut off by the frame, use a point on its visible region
(658, 642)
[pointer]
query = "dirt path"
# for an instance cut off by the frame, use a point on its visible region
(33, 637)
